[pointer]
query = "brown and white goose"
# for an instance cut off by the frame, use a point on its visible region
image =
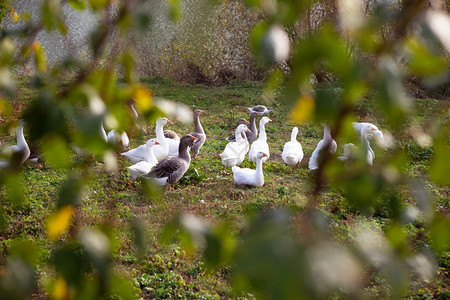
(198, 132)
(170, 134)
(232, 138)
(261, 109)
(253, 133)
(170, 170)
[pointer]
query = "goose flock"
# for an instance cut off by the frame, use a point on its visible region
(166, 158)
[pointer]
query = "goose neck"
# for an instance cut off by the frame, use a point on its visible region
(150, 156)
(239, 136)
(326, 133)
(159, 130)
(183, 152)
(103, 133)
(294, 135)
(20, 137)
(197, 125)
(262, 132)
(259, 175)
(253, 125)
(365, 142)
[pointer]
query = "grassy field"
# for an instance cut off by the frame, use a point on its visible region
(167, 271)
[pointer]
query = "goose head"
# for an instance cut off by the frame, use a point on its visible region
(255, 114)
(151, 142)
(241, 128)
(198, 112)
(188, 140)
(131, 102)
(261, 154)
(265, 120)
(377, 134)
(21, 123)
(163, 121)
(372, 131)
(242, 121)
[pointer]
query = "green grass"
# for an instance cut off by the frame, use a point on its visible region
(166, 271)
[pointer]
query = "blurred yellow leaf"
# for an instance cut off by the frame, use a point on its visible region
(60, 290)
(303, 109)
(59, 221)
(143, 98)
(39, 56)
(15, 16)
(5, 108)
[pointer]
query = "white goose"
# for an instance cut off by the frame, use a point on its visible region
(170, 170)
(235, 152)
(292, 151)
(367, 131)
(143, 167)
(246, 176)
(349, 152)
(173, 146)
(326, 142)
(198, 132)
(261, 143)
(141, 153)
(118, 139)
(162, 150)
(19, 153)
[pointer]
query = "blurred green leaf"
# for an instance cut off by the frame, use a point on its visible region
(175, 9)
(123, 288)
(14, 187)
(17, 280)
(98, 4)
(143, 20)
(71, 191)
(327, 104)
(397, 237)
(44, 116)
(439, 171)
(391, 95)
(361, 191)
(56, 152)
(51, 16)
(71, 262)
(26, 250)
(139, 235)
(78, 4)
(220, 246)
(440, 233)
(422, 62)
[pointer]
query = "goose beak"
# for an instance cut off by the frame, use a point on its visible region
(264, 155)
(194, 138)
(169, 122)
(202, 111)
(270, 120)
(259, 115)
(248, 130)
(246, 122)
(157, 143)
